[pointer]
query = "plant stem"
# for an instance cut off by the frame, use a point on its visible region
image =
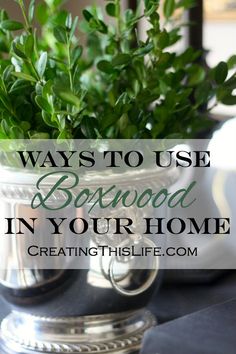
(69, 71)
(69, 67)
(22, 6)
(119, 20)
(35, 44)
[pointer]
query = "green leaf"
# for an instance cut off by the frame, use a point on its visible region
(129, 132)
(42, 63)
(29, 45)
(229, 100)
(186, 4)
(40, 136)
(108, 120)
(43, 104)
(169, 8)
(197, 74)
(111, 9)
(48, 121)
(105, 66)
(163, 39)
(16, 133)
(47, 89)
(24, 76)
(76, 54)
(63, 135)
(19, 86)
(5, 127)
(151, 7)
(69, 21)
(42, 13)
(221, 72)
(60, 34)
(70, 98)
(151, 11)
(3, 135)
(225, 95)
(123, 99)
(230, 84)
(102, 27)
(88, 127)
(18, 50)
(74, 26)
(123, 104)
(25, 125)
(7, 73)
(4, 102)
(31, 10)
(98, 25)
(203, 92)
(3, 46)
(142, 51)
(3, 15)
(121, 59)
(232, 62)
(10, 25)
(87, 15)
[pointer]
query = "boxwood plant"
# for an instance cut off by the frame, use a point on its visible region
(116, 85)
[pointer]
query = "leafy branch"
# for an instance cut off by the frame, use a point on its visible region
(53, 87)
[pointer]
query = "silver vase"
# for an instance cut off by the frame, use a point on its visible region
(70, 310)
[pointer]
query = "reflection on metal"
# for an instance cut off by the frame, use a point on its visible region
(68, 294)
(95, 334)
(151, 271)
(15, 201)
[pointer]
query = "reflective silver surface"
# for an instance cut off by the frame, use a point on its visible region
(24, 281)
(63, 300)
(117, 333)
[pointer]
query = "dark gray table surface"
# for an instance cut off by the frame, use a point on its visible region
(194, 318)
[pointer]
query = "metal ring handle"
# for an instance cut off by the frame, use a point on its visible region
(149, 281)
(107, 276)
